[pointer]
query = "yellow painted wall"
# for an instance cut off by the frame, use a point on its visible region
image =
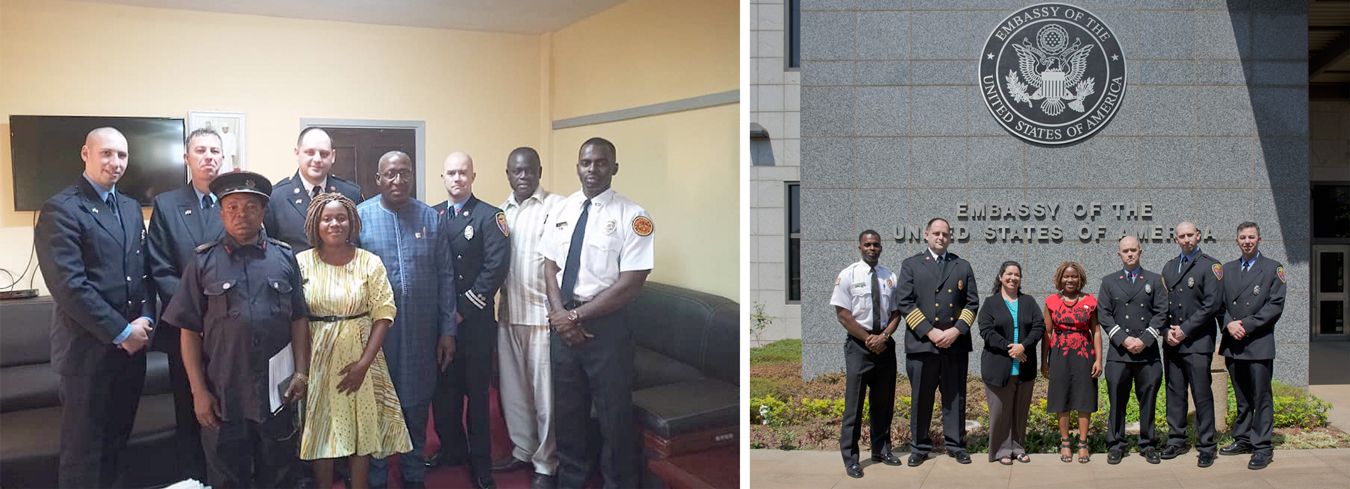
(682, 167)
(477, 92)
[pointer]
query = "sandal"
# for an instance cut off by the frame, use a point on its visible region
(1024, 458)
(1005, 461)
(1083, 447)
(1064, 445)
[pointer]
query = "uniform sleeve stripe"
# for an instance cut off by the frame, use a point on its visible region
(1114, 329)
(968, 316)
(473, 298)
(1154, 333)
(914, 318)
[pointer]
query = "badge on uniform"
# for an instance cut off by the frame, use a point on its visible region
(1148, 288)
(468, 232)
(1190, 282)
(610, 226)
(1218, 270)
(187, 212)
(1280, 271)
(642, 225)
(501, 224)
(1256, 290)
(859, 285)
(888, 283)
(960, 285)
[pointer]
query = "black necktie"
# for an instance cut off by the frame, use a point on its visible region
(876, 302)
(1184, 259)
(569, 279)
(1131, 277)
(112, 205)
(206, 202)
(1246, 266)
(942, 263)
(315, 192)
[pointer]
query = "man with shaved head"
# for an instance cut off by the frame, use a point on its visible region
(91, 247)
(314, 156)
(479, 240)
(1132, 309)
(523, 341)
(407, 236)
(1194, 301)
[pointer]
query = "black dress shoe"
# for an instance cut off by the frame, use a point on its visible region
(485, 483)
(1151, 455)
(1172, 451)
(1113, 457)
(509, 465)
(854, 471)
(541, 481)
(888, 459)
(1260, 460)
(916, 459)
(960, 455)
(1206, 459)
(1235, 449)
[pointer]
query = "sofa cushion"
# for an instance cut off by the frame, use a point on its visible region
(25, 338)
(29, 387)
(672, 410)
(32, 442)
(651, 369)
(692, 327)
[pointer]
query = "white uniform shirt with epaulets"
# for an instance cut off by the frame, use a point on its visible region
(853, 291)
(618, 238)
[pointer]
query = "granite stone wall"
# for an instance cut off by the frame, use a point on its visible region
(1213, 128)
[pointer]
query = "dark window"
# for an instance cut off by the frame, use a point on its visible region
(794, 34)
(1331, 211)
(794, 242)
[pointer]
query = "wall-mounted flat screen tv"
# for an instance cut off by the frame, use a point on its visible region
(45, 152)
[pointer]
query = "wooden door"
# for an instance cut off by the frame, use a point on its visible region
(358, 150)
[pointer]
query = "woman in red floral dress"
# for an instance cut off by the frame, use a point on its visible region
(1071, 358)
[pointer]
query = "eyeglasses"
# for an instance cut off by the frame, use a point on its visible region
(391, 175)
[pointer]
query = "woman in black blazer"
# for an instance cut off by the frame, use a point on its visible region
(1011, 324)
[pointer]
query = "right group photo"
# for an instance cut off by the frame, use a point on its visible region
(1020, 244)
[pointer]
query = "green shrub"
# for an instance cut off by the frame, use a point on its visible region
(1294, 407)
(777, 352)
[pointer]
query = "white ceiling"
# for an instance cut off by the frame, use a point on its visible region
(513, 16)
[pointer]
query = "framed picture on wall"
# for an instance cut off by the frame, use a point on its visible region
(230, 126)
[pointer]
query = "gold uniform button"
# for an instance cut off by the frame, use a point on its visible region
(1127, 317)
(949, 291)
(940, 305)
(949, 305)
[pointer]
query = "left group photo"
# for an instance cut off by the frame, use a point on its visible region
(360, 245)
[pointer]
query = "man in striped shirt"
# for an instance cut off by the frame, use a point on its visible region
(523, 341)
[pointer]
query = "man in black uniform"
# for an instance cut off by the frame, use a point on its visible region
(937, 341)
(285, 219)
(1132, 309)
(479, 240)
(239, 303)
(1193, 302)
(1253, 299)
(91, 248)
(863, 295)
(182, 220)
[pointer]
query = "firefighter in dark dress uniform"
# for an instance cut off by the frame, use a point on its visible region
(937, 339)
(1132, 309)
(1193, 302)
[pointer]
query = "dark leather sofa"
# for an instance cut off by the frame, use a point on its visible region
(30, 408)
(686, 391)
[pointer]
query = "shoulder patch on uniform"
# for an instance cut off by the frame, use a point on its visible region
(642, 225)
(1280, 271)
(278, 242)
(501, 224)
(836, 281)
(206, 246)
(1218, 270)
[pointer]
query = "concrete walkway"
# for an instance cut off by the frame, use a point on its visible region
(1302, 469)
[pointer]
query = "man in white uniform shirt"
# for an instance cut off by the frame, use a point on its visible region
(863, 305)
(523, 339)
(597, 252)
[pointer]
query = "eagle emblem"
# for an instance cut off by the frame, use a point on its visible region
(1052, 66)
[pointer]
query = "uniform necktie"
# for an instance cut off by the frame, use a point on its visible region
(1246, 266)
(315, 192)
(112, 205)
(1131, 277)
(876, 301)
(1184, 259)
(569, 279)
(206, 202)
(942, 263)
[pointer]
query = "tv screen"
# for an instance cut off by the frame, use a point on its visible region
(45, 153)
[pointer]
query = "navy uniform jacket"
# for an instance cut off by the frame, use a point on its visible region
(1137, 309)
(178, 225)
(285, 218)
(931, 299)
(1194, 300)
(241, 299)
(98, 273)
(1256, 298)
(479, 239)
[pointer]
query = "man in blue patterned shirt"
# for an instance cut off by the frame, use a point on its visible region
(406, 234)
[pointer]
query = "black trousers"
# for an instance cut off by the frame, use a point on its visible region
(97, 414)
(1189, 371)
(468, 376)
(1145, 378)
(866, 371)
(1255, 406)
(597, 373)
(243, 453)
(191, 461)
(929, 372)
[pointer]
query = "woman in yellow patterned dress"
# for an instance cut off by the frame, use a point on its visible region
(353, 410)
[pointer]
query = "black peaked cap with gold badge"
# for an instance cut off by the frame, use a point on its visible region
(242, 181)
